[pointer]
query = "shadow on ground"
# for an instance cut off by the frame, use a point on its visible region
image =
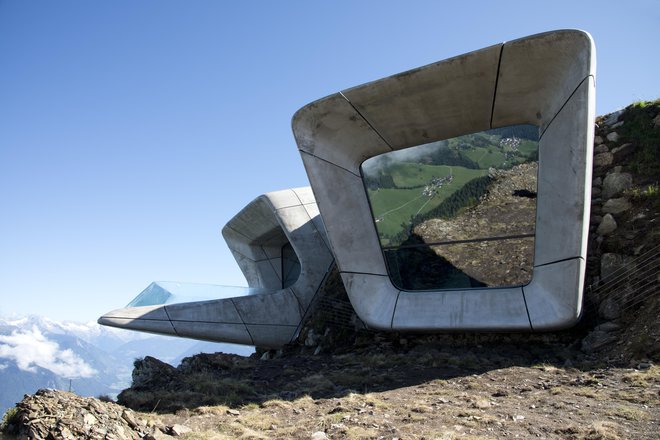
(371, 364)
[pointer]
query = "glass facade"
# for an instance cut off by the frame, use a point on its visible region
(290, 266)
(163, 292)
(457, 213)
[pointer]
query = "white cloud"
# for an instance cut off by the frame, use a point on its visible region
(3, 366)
(31, 349)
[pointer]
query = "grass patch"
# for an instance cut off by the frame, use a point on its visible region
(644, 378)
(631, 413)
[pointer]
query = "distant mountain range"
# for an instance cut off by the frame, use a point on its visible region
(91, 360)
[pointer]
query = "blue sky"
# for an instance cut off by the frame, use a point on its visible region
(131, 131)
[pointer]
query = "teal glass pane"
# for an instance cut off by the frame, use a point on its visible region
(165, 292)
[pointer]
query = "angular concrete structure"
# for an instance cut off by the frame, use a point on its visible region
(280, 245)
(455, 215)
(546, 80)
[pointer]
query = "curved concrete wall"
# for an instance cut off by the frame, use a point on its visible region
(272, 316)
(545, 80)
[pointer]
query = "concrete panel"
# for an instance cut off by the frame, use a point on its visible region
(282, 199)
(272, 336)
(554, 297)
(343, 203)
(306, 195)
(277, 308)
(158, 326)
(240, 243)
(332, 130)
(276, 265)
(314, 213)
(274, 248)
(213, 331)
(373, 297)
(433, 102)
(219, 311)
(267, 276)
(478, 309)
(248, 267)
(564, 181)
(255, 220)
(539, 73)
(145, 312)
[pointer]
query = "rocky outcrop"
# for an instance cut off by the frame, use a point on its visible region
(58, 415)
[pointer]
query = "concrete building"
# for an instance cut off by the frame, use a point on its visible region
(280, 245)
(454, 196)
(544, 80)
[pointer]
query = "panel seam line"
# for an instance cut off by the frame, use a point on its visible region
(497, 80)
(367, 121)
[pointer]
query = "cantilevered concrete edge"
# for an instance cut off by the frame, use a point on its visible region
(257, 237)
(547, 80)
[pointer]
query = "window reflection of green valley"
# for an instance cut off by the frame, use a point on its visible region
(456, 190)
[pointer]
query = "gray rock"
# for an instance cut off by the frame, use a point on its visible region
(603, 159)
(319, 435)
(607, 225)
(608, 327)
(656, 121)
(618, 124)
(616, 206)
(595, 340)
(178, 430)
(598, 140)
(615, 183)
(609, 308)
(595, 191)
(602, 148)
(612, 264)
(312, 339)
(613, 136)
(613, 118)
(151, 372)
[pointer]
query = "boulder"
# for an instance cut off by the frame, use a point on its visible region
(178, 430)
(603, 159)
(607, 225)
(613, 118)
(609, 309)
(616, 206)
(613, 136)
(615, 183)
(602, 148)
(149, 372)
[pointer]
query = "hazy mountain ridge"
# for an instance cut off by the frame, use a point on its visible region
(38, 352)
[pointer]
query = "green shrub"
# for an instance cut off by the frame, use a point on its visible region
(10, 419)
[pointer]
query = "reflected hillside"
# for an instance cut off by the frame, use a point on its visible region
(507, 210)
(470, 201)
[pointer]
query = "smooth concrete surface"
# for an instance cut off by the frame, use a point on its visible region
(272, 315)
(546, 80)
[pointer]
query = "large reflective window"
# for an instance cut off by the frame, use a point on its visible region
(457, 213)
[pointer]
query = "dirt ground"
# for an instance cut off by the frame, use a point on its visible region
(412, 390)
(542, 401)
